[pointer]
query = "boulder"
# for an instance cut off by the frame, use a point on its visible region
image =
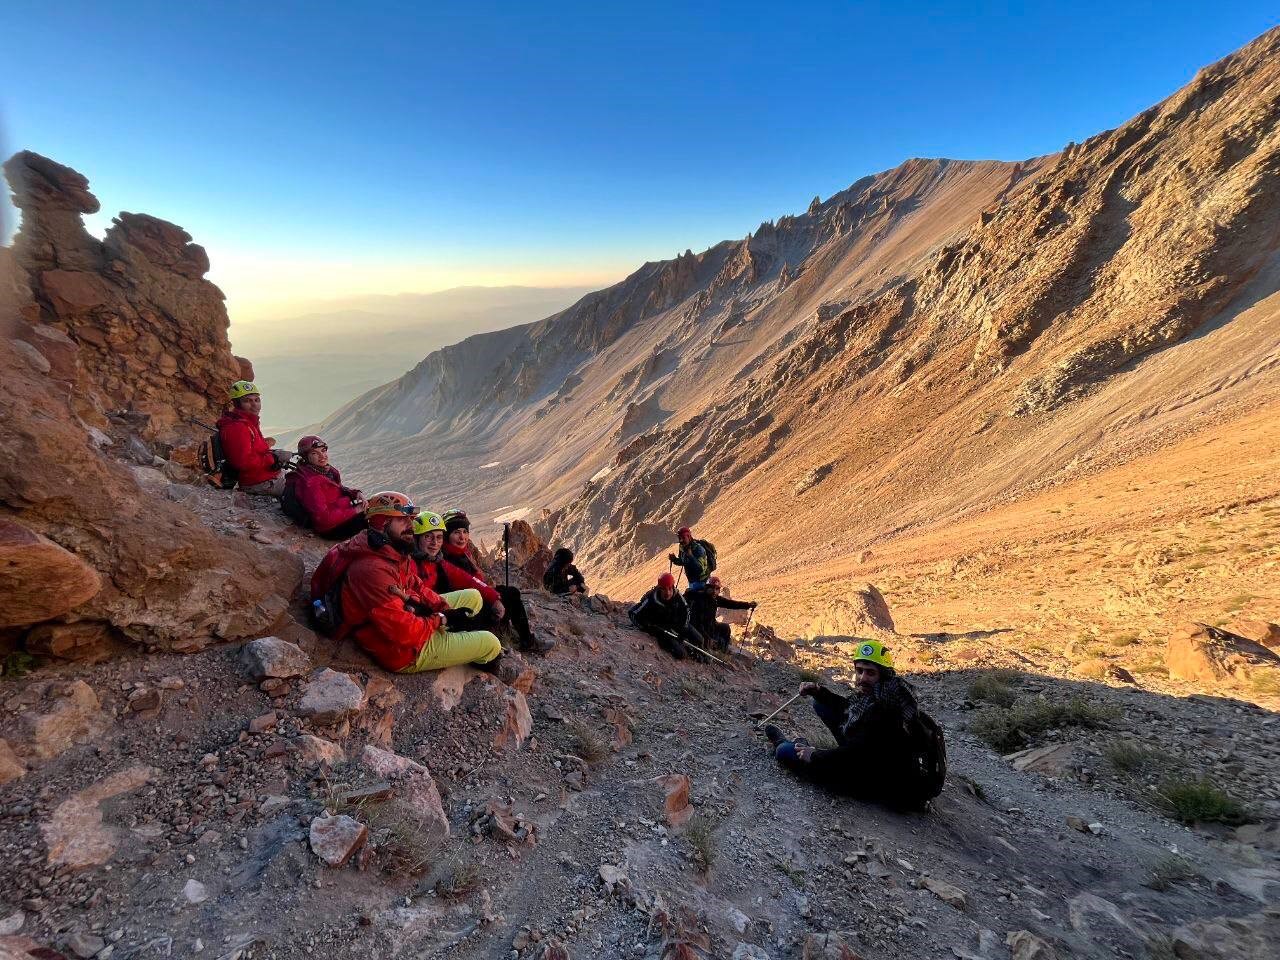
(273, 657)
(39, 579)
(330, 696)
(1025, 945)
(1250, 937)
(861, 611)
(414, 792)
(1259, 631)
(1053, 760)
(49, 716)
(317, 750)
(827, 946)
(675, 803)
(86, 640)
(335, 840)
(1205, 654)
(948, 893)
(11, 768)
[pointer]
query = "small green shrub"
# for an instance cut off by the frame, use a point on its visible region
(1200, 801)
(1169, 870)
(1011, 729)
(992, 689)
(700, 833)
(587, 743)
(1126, 757)
(17, 664)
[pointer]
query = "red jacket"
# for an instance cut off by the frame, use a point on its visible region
(376, 617)
(322, 495)
(246, 448)
(454, 578)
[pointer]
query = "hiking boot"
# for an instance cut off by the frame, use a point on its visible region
(506, 667)
(773, 734)
(536, 644)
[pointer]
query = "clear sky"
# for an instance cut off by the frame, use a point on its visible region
(322, 149)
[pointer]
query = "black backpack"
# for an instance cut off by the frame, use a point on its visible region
(710, 547)
(213, 462)
(931, 754)
(291, 505)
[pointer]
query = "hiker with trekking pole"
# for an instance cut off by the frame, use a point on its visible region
(508, 611)
(696, 558)
(888, 750)
(663, 614)
(703, 605)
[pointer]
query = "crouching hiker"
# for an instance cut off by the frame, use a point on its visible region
(314, 496)
(249, 454)
(562, 577)
(507, 610)
(889, 751)
(663, 614)
(386, 608)
(703, 605)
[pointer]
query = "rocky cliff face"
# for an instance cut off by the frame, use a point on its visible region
(149, 331)
(931, 338)
(105, 350)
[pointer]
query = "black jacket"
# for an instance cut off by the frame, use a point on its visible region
(875, 759)
(703, 605)
(562, 575)
(654, 613)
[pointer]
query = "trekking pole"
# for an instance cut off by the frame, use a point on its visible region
(200, 423)
(779, 710)
(705, 653)
(750, 613)
(506, 553)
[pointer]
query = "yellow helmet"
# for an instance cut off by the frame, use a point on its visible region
(390, 503)
(427, 521)
(873, 651)
(242, 388)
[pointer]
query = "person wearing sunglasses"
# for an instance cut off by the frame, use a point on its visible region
(315, 497)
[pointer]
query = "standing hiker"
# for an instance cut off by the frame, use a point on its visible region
(386, 608)
(508, 610)
(703, 604)
(315, 497)
(694, 557)
(888, 750)
(663, 614)
(562, 577)
(256, 464)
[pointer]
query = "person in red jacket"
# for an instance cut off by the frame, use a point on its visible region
(315, 488)
(257, 466)
(435, 571)
(509, 610)
(386, 608)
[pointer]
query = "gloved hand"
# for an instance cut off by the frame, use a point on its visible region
(673, 558)
(810, 689)
(458, 619)
(281, 457)
(754, 604)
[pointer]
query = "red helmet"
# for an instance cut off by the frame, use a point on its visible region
(307, 444)
(667, 581)
(714, 581)
(683, 530)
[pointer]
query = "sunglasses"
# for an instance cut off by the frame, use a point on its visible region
(319, 446)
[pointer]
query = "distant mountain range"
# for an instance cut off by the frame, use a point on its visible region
(935, 339)
(309, 365)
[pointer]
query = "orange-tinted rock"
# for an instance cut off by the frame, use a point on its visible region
(38, 578)
(76, 836)
(675, 805)
(88, 640)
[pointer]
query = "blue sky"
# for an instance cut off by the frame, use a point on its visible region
(321, 149)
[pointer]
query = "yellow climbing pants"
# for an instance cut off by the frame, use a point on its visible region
(449, 648)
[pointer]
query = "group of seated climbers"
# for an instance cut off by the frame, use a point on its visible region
(404, 585)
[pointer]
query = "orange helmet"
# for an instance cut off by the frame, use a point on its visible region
(390, 503)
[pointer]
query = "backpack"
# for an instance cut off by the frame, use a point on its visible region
(291, 505)
(325, 614)
(710, 547)
(213, 462)
(931, 754)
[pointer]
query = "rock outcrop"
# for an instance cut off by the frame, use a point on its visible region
(150, 332)
(84, 482)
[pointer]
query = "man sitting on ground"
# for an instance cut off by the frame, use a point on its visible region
(663, 614)
(884, 753)
(314, 493)
(692, 556)
(389, 612)
(702, 611)
(257, 466)
(562, 577)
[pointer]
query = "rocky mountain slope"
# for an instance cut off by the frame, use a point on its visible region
(936, 339)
